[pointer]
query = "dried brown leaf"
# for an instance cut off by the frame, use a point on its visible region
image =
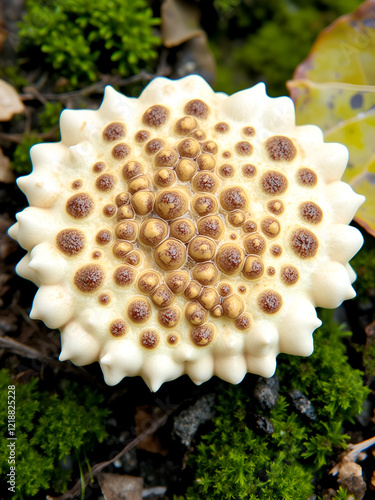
(144, 418)
(10, 102)
(179, 22)
(116, 486)
(6, 175)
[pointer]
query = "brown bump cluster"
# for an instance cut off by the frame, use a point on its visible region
(222, 128)
(307, 177)
(114, 132)
(170, 204)
(126, 230)
(155, 116)
(276, 207)
(70, 241)
(311, 212)
(171, 254)
(233, 198)
(273, 182)
(153, 146)
(201, 249)
(80, 205)
(270, 302)
(270, 227)
(153, 231)
(249, 226)
(209, 298)
(230, 258)
(139, 310)
(289, 275)
(226, 171)
(166, 157)
(211, 226)
(183, 230)
(124, 276)
(142, 136)
(204, 204)
(169, 317)
(89, 278)
(105, 182)
(233, 306)
(109, 210)
(118, 328)
(206, 273)
(253, 268)
(121, 249)
(185, 125)
(210, 147)
(236, 218)
(254, 244)
(249, 170)
(121, 151)
(164, 177)
(205, 182)
(148, 281)
(244, 148)
(192, 290)
(243, 322)
(280, 148)
(143, 202)
(197, 108)
(186, 169)
(304, 243)
(202, 335)
(98, 167)
(103, 237)
(149, 339)
(177, 281)
(189, 148)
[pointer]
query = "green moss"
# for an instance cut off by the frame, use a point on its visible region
(49, 427)
(20, 163)
(268, 40)
(80, 39)
(234, 461)
(364, 265)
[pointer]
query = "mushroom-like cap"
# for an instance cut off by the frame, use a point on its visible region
(186, 231)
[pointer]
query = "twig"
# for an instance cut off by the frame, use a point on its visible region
(354, 451)
(31, 353)
(19, 137)
(97, 87)
(99, 467)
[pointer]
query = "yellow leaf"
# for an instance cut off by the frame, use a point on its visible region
(334, 88)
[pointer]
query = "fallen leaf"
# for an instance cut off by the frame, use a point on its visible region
(116, 486)
(6, 175)
(334, 88)
(144, 417)
(180, 27)
(10, 103)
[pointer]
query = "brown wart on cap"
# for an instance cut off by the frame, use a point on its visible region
(195, 313)
(253, 268)
(153, 146)
(211, 226)
(183, 230)
(114, 132)
(139, 310)
(222, 128)
(273, 182)
(254, 244)
(304, 243)
(171, 203)
(148, 281)
(165, 177)
(121, 151)
(197, 108)
(103, 237)
(206, 273)
(124, 276)
(80, 205)
(192, 291)
(289, 275)
(202, 248)
(118, 328)
(109, 210)
(166, 157)
(233, 198)
(132, 169)
(307, 177)
(171, 254)
(186, 169)
(205, 182)
(204, 204)
(185, 125)
(155, 116)
(169, 317)
(70, 241)
(280, 148)
(89, 278)
(270, 301)
(233, 306)
(153, 231)
(311, 212)
(230, 258)
(162, 296)
(177, 281)
(149, 339)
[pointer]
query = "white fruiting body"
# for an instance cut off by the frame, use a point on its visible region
(186, 232)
